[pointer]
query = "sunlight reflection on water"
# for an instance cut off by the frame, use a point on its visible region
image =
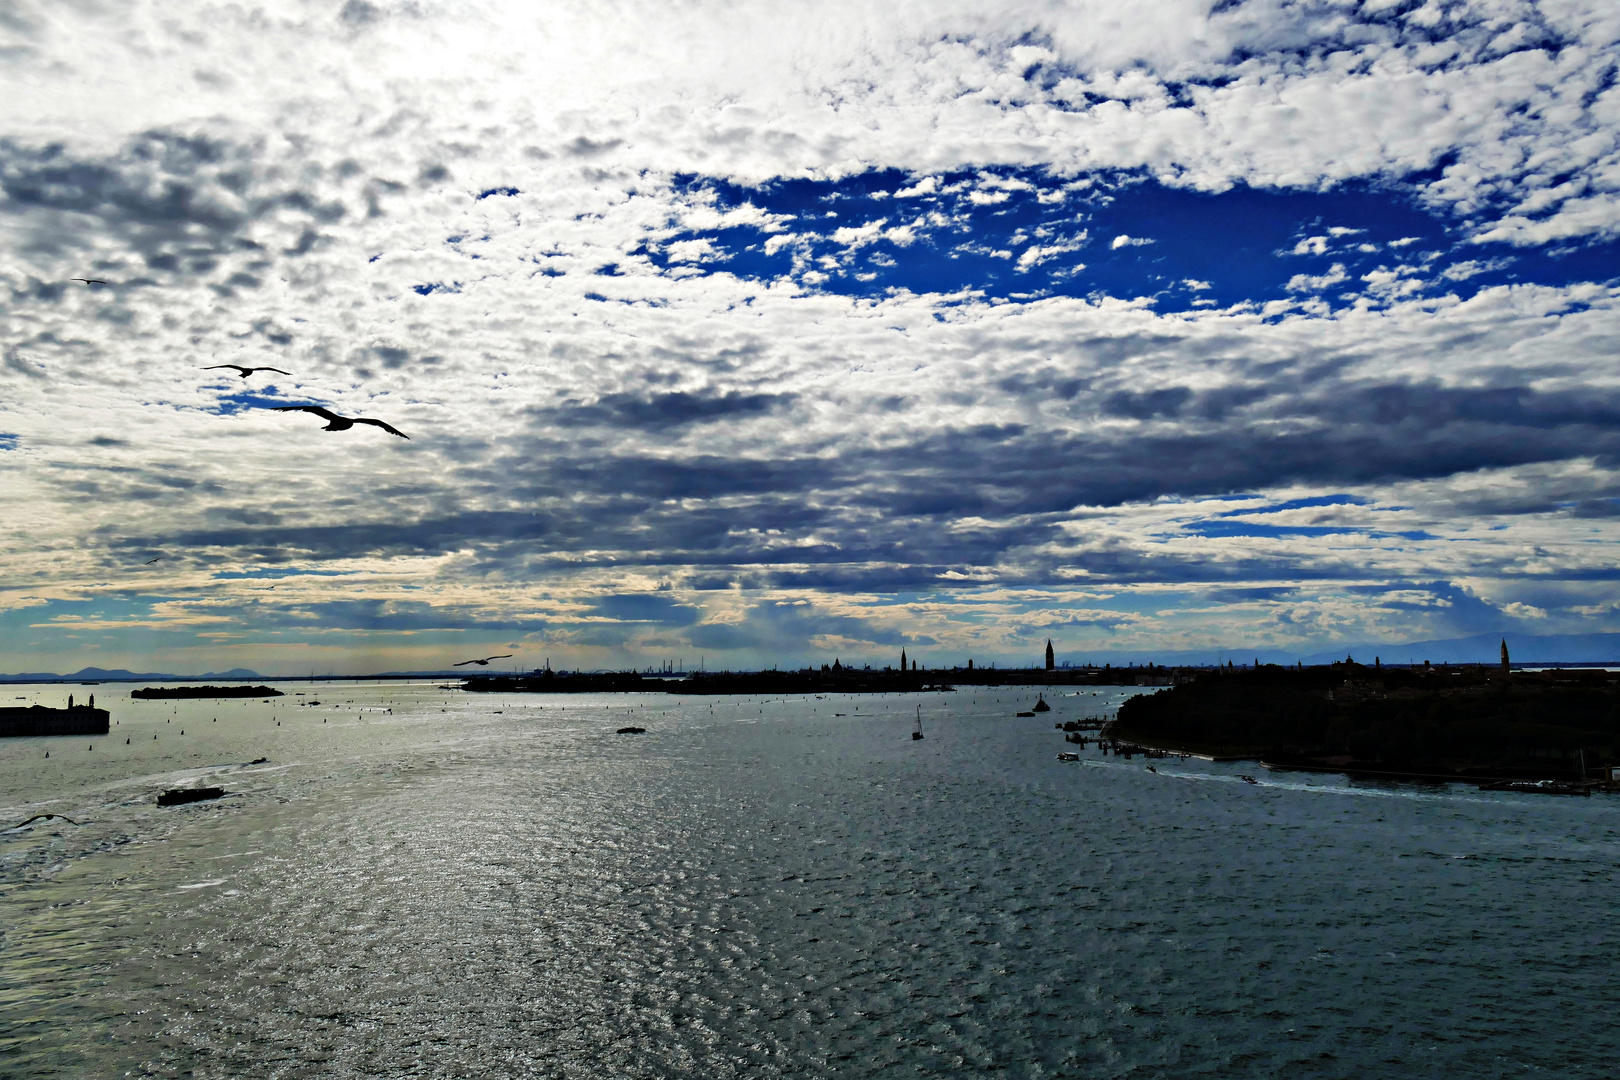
(461, 893)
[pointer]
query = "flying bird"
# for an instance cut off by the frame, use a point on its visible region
(340, 423)
(484, 662)
(90, 280)
(149, 562)
(246, 371)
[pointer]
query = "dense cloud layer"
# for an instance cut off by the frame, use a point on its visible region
(768, 335)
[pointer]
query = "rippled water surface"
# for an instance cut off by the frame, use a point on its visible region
(426, 883)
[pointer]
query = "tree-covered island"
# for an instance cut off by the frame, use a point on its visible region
(1467, 722)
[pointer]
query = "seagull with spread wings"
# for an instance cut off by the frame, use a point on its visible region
(90, 280)
(484, 662)
(246, 371)
(334, 422)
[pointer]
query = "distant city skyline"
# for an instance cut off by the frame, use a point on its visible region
(771, 335)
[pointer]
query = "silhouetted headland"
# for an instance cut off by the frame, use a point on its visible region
(1444, 723)
(40, 720)
(204, 691)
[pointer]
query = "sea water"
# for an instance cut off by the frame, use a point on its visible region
(426, 883)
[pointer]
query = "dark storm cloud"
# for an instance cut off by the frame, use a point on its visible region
(668, 411)
(1344, 435)
(386, 615)
(180, 203)
(646, 608)
(871, 519)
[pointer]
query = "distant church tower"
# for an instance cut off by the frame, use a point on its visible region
(1051, 661)
(1504, 657)
(902, 659)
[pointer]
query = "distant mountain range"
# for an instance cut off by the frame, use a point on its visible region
(95, 674)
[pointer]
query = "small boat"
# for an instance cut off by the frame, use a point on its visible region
(178, 796)
(1151, 769)
(1539, 787)
(631, 731)
(915, 735)
(1040, 704)
(1068, 756)
(1026, 714)
(1247, 779)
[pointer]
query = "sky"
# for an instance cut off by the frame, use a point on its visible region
(750, 334)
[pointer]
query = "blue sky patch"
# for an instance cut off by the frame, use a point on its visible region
(1253, 528)
(1299, 504)
(1021, 234)
(243, 400)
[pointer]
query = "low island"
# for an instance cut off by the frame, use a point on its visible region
(1450, 723)
(165, 692)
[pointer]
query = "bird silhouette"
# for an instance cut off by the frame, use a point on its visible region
(484, 662)
(90, 280)
(246, 371)
(149, 562)
(334, 422)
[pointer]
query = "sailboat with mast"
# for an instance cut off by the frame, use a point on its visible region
(917, 734)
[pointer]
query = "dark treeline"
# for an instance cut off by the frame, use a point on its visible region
(1468, 720)
(164, 692)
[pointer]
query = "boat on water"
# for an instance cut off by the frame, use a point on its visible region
(1539, 787)
(1068, 755)
(1040, 704)
(1247, 779)
(917, 734)
(181, 796)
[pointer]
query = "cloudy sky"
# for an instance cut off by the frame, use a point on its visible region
(766, 333)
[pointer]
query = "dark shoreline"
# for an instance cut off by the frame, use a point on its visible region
(1453, 725)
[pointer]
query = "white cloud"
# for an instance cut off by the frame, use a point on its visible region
(1128, 241)
(858, 236)
(580, 419)
(1318, 282)
(694, 250)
